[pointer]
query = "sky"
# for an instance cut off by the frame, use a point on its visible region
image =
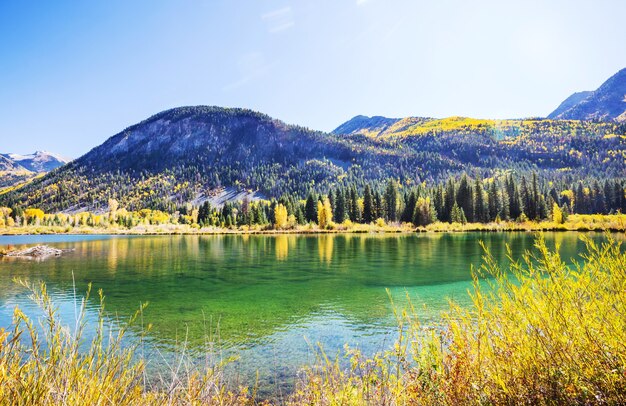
(73, 73)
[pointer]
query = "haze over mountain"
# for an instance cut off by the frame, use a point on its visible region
(608, 102)
(188, 154)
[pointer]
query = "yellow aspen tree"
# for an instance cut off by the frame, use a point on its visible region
(557, 214)
(324, 213)
(280, 216)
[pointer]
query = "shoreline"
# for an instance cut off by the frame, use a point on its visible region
(607, 223)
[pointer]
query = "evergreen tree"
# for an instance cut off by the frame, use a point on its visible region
(465, 198)
(494, 203)
(368, 205)
(354, 205)
(310, 209)
(438, 201)
(340, 207)
(526, 196)
(409, 208)
(378, 204)
(598, 198)
(481, 208)
(580, 201)
(391, 201)
(449, 201)
(535, 212)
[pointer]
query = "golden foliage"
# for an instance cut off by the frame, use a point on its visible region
(280, 216)
(538, 332)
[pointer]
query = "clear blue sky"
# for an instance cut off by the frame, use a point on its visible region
(74, 73)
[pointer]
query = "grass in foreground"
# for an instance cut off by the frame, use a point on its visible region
(543, 333)
(50, 365)
(539, 332)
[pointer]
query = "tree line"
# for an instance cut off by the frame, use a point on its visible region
(458, 200)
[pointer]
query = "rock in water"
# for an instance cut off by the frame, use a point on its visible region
(39, 251)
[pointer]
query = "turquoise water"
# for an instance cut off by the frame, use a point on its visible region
(268, 299)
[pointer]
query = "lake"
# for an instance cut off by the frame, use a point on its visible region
(271, 299)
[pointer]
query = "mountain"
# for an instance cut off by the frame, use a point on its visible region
(608, 102)
(9, 165)
(12, 173)
(191, 154)
(16, 169)
(40, 161)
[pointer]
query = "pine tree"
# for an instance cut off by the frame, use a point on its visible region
(438, 201)
(599, 199)
(526, 196)
(391, 201)
(494, 203)
(449, 201)
(354, 205)
(378, 204)
(580, 201)
(481, 209)
(465, 198)
(310, 209)
(409, 208)
(340, 207)
(536, 210)
(516, 205)
(368, 205)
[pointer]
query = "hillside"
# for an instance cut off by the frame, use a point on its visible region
(608, 102)
(190, 154)
(365, 125)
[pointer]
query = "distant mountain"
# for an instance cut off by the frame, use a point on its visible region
(608, 102)
(40, 161)
(192, 154)
(15, 168)
(9, 165)
(11, 172)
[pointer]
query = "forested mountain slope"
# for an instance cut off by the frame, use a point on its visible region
(190, 153)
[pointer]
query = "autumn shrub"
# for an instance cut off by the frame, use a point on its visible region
(537, 332)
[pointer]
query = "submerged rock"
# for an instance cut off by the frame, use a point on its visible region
(39, 251)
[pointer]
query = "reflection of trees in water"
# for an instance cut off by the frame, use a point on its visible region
(325, 245)
(282, 247)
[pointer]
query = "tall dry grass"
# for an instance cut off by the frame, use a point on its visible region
(53, 364)
(538, 332)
